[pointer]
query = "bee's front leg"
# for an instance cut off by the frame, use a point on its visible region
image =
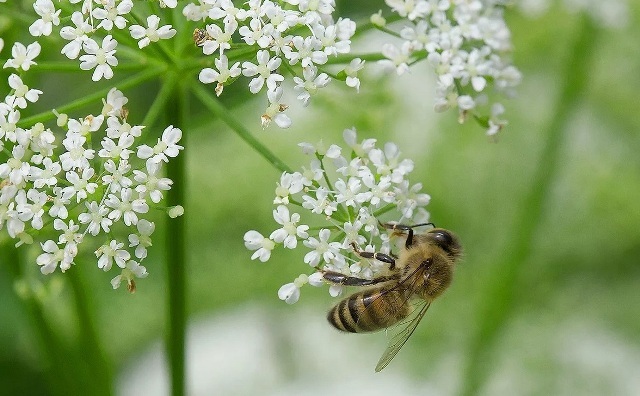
(403, 228)
(385, 258)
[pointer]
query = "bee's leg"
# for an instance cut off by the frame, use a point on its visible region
(408, 229)
(345, 280)
(385, 258)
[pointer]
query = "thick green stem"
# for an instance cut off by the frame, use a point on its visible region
(58, 371)
(177, 108)
(497, 299)
(92, 354)
(224, 114)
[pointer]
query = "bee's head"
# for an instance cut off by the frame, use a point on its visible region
(447, 241)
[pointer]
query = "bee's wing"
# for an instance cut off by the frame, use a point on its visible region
(402, 334)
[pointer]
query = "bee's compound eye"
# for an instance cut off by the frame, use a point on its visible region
(443, 239)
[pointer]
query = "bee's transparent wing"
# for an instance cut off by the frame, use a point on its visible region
(402, 334)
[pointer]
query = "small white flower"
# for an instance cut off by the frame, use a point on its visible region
(70, 234)
(168, 3)
(116, 151)
(328, 252)
(150, 184)
(222, 75)
(310, 84)
(129, 274)
(59, 204)
(290, 232)
(113, 252)
(81, 186)
(306, 50)
(290, 183)
(256, 33)
(265, 69)
(219, 39)
(253, 240)
(289, 293)
(397, 58)
(112, 14)
(113, 107)
(16, 168)
(117, 128)
(411, 9)
(322, 202)
(76, 35)
(166, 147)
(23, 56)
(359, 149)
(51, 257)
(175, 211)
(352, 234)
(351, 71)
(76, 156)
(11, 217)
(99, 57)
(142, 240)
(46, 176)
(96, 218)
(31, 207)
(151, 34)
(275, 110)
(126, 207)
(116, 177)
(348, 193)
(48, 17)
(22, 93)
(85, 125)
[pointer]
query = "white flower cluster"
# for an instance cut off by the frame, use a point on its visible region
(62, 186)
(298, 36)
(371, 186)
(466, 43)
(609, 14)
(90, 33)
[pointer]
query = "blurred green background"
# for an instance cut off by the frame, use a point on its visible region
(546, 300)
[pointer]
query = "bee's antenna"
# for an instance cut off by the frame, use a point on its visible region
(423, 224)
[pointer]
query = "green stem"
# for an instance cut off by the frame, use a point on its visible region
(224, 114)
(56, 366)
(131, 82)
(497, 300)
(160, 102)
(177, 113)
(92, 353)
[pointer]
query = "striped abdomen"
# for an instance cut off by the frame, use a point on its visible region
(369, 310)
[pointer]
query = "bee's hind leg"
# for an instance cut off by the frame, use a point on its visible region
(345, 280)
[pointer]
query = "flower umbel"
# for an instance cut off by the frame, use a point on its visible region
(340, 199)
(467, 43)
(53, 184)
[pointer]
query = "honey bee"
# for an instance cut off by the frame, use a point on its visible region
(420, 273)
